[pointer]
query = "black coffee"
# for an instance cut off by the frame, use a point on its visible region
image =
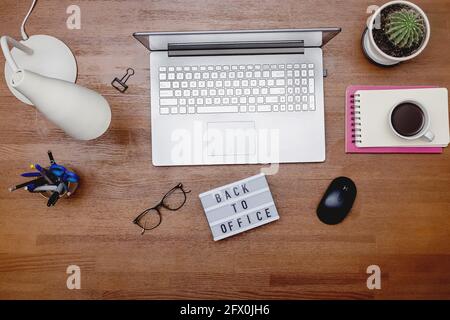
(407, 119)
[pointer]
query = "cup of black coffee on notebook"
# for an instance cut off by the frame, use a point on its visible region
(410, 120)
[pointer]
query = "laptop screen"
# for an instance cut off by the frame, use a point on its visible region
(285, 38)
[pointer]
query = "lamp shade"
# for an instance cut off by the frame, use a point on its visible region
(80, 112)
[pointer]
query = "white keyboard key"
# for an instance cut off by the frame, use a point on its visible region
(164, 84)
(310, 65)
(272, 99)
(278, 74)
(166, 93)
(182, 102)
(243, 108)
(275, 108)
(162, 69)
(303, 65)
(171, 76)
(277, 91)
(264, 108)
(304, 107)
(283, 107)
(180, 76)
(183, 110)
(191, 109)
(174, 110)
(311, 73)
(218, 109)
(280, 82)
(175, 85)
(168, 102)
(164, 110)
(162, 76)
(252, 108)
(290, 107)
(311, 85)
(297, 107)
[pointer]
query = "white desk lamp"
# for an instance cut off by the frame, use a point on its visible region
(41, 71)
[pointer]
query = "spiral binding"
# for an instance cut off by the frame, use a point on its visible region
(356, 119)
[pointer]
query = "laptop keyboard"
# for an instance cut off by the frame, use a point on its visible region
(236, 88)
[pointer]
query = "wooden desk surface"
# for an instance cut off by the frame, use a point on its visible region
(400, 220)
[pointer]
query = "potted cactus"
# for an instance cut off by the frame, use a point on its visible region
(396, 32)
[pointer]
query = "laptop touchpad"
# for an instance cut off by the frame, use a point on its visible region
(231, 138)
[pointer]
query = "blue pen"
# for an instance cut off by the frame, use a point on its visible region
(31, 174)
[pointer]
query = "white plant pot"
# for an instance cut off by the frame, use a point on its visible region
(374, 53)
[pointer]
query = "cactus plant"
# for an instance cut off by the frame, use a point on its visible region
(405, 28)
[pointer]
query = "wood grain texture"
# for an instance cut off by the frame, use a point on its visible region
(400, 220)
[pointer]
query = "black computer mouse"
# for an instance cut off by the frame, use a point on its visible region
(337, 201)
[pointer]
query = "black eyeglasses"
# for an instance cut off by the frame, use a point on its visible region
(173, 200)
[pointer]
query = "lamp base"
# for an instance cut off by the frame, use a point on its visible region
(50, 58)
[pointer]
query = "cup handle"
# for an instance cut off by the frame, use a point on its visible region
(429, 136)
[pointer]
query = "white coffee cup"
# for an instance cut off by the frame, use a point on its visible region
(424, 132)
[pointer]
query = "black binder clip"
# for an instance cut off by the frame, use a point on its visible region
(120, 84)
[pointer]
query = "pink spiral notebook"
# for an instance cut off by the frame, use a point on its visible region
(350, 146)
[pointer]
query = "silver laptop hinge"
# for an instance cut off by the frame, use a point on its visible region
(235, 48)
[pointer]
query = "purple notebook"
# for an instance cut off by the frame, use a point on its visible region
(350, 146)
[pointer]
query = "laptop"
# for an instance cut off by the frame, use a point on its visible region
(237, 97)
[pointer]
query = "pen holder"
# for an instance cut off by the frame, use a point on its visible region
(72, 186)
